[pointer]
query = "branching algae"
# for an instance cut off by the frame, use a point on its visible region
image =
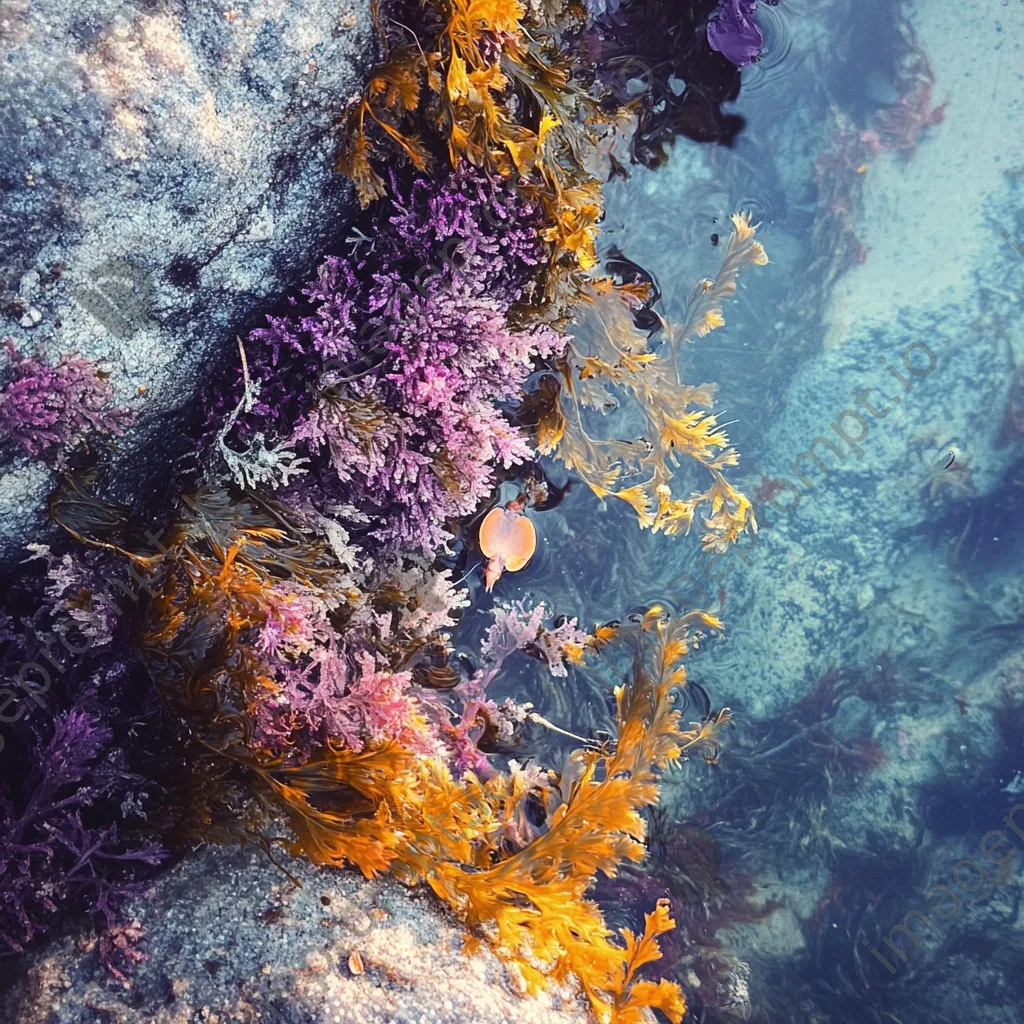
(228, 570)
(606, 355)
(308, 677)
(489, 85)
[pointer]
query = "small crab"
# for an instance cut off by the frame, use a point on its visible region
(951, 472)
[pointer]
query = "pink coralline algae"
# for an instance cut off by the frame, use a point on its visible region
(46, 410)
(365, 704)
(516, 627)
(320, 687)
(519, 627)
(412, 352)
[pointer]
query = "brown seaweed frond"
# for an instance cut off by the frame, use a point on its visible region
(340, 804)
(610, 358)
(633, 995)
(388, 809)
(391, 94)
(259, 532)
(78, 510)
(704, 307)
(209, 592)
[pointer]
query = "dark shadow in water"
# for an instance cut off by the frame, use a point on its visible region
(983, 532)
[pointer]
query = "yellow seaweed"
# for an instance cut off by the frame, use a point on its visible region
(608, 357)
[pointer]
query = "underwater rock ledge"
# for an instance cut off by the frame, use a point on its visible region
(230, 938)
(167, 176)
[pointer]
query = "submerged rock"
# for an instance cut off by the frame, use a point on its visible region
(230, 938)
(166, 178)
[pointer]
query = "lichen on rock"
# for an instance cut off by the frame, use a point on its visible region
(166, 176)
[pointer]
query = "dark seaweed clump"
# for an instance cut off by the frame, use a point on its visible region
(79, 791)
(656, 53)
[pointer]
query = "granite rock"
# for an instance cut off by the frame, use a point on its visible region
(166, 177)
(230, 938)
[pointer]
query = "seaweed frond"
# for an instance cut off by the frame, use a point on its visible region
(391, 94)
(632, 997)
(375, 779)
(609, 357)
(533, 904)
(704, 307)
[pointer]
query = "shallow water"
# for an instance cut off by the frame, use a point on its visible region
(855, 853)
(868, 806)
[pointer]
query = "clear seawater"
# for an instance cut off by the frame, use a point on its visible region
(874, 636)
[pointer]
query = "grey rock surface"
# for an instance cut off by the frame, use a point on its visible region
(165, 177)
(230, 938)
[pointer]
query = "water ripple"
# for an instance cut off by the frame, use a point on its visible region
(775, 63)
(761, 205)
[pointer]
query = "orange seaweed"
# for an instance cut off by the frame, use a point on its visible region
(518, 883)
